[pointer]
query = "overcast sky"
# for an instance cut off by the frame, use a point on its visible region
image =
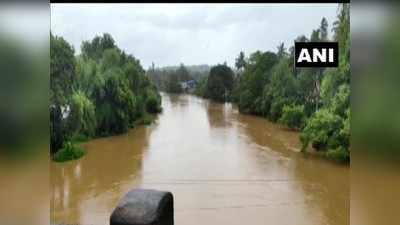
(170, 34)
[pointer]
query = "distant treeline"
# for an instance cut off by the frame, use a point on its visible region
(103, 91)
(313, 100)
(169, 78)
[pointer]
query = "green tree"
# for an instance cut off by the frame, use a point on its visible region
(82, 118)
(281, 90)
(341, 101)
(315, 36)
(103, 91)
(94, 49)
(323, 29)
(293, 116)
(321, 130)
(62, 70)
(116, 109)
(256, 75)
(341, 27)
(240, 61)
(281, 50)
(62, 76)
(201, 87)
(219, 83)
(306, 90)
(183, 73)
(173, 84)
(135, 76)
(315, 100)
(111, 58)
(153, 103)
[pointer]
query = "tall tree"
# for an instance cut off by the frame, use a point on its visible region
(315, 35)
(341, 27)
(94, 49)
(62, 75)
(256, 75)
(240, 62)
(183, 73)
(281, 50)
(323, 29)
(219, 83)
(328, 128)
(103, 91)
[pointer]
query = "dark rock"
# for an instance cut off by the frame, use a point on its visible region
(144, 207)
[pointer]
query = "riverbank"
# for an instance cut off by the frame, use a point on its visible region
(74, 150)
(101, 91)
(335, 155)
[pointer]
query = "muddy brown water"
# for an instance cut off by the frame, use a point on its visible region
(222, 167)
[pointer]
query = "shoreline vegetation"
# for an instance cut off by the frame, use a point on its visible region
(72, 149)
(313, 101)
(101, 92)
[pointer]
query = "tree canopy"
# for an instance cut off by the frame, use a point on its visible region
(103, 91)
(220, 83)
(315, 101)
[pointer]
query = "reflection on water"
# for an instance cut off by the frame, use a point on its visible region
(222, 167)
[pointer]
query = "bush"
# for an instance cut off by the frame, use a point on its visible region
(146, 119)
(293, 116)
(322, 128)
(140, 107)
(82, 118)
(115, 110)
(340, 154)
(79, 138)
(104, 90)
(245, 102)
(276, 108)
(344, 133)
(152, 104)
(341, 101)
(69, 152)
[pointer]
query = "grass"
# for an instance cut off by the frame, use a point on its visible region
(70, 151)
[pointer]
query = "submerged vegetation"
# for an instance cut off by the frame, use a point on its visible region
(103, 91)
(69, 152)
(315, 101)
(293, 116)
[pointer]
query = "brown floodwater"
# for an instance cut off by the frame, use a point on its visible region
(222, 167)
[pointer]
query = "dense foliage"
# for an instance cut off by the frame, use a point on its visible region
(219, 83)
(69, 152)
(103, 91)
(293, 116)
(314, 100)
(62, 74)
(292, 95)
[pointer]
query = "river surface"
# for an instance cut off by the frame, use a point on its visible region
(222, 167)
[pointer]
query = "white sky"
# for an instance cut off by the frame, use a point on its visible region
(169, 34)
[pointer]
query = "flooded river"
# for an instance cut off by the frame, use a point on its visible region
(222, 167)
